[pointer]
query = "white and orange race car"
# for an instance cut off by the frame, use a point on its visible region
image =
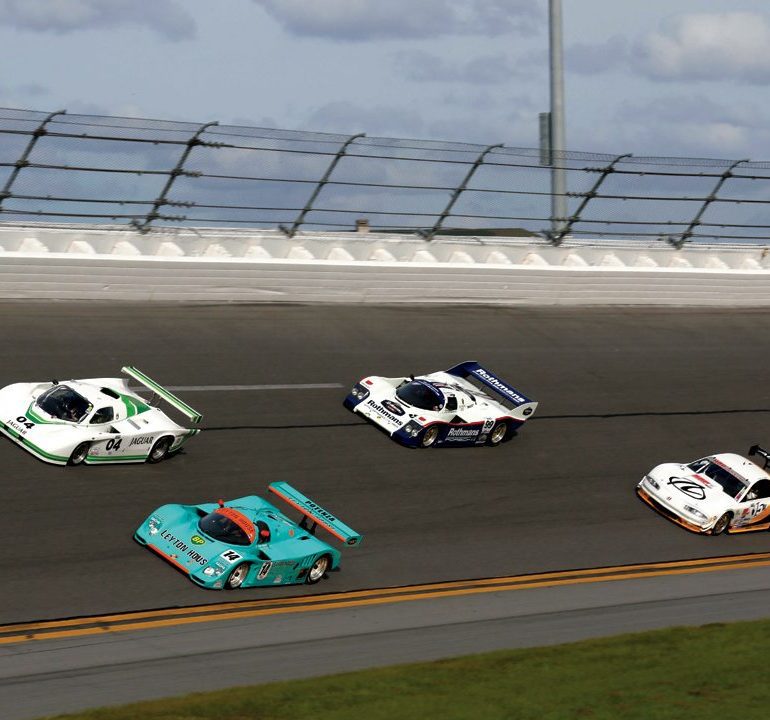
(719, 493)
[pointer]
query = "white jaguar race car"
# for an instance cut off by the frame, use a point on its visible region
(94, 421)
(716, 494)
(465, 405)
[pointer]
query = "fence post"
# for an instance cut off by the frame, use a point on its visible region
(23, 161)
(178, 170)
(557, 237)
(323, 181)
(429, 234)
(687, 234)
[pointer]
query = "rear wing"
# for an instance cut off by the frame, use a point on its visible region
(161, 392)
(471, 370)
(314, 512)
(765, 454)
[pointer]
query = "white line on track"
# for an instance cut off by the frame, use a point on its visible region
(226, 388)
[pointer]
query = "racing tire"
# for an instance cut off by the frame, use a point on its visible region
(79, 454)
(498, 433)
(430, 436)
(237, 576)
(317, 570)
(722, 524)
(160, 449)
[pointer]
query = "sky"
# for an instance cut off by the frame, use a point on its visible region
(649, 77)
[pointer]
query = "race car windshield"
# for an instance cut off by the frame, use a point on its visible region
(64, 403)
(732, 485)
(421, 395)
(221, 527)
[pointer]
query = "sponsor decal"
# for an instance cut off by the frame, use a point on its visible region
(264, 570)
(197, 540)
(21, 424)
(688, 487)
(197, 557)
(382, 411)
(174, 541)
(462, 434)
(528, 411)
(318, 510)
(394, 407)
(499, 386)
(704, 480)
(231, 556)
(144, 440)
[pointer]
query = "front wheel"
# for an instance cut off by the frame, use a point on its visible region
(79, 454)
(721, 525)
(318, 570)
(160, 450)
(430, 436)
(498, 433)
(237, 576)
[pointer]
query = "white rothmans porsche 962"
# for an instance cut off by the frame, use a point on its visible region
(719, 493)
(94, 421)
(465, 405)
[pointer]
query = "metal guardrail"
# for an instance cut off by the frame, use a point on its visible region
(62, 168)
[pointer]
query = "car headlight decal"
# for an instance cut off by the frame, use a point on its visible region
(653, 482)
(214, 570)
(359, 391)
(412, 428)
(154, 524)
(694, 511)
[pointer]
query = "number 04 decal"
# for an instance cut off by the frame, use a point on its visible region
(113, 444)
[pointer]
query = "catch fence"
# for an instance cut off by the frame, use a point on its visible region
(149, 174)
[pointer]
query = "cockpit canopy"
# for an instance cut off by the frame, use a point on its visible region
(421, 394)
(229, 526)
(62, 402)
(730, 483)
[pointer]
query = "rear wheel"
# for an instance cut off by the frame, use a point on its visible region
(430, 436)
(79, 454)
(237, 576)
(160, 449)
(318, 570)
(498, 433)
(721, 525)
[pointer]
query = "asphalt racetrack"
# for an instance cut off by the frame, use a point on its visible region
(619, 391)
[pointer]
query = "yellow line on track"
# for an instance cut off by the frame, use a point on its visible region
(145, 620)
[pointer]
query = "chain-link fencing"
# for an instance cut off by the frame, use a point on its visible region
(63, 168)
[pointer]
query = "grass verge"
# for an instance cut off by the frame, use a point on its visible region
(714, 671)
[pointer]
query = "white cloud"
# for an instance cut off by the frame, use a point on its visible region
(691, 126)
(377, 120)
(708, 47)
(594, 59)
(421, 66)
(166, 17)
(353, 20)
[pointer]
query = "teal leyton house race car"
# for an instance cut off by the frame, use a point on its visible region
(246, 542)
(93, 421)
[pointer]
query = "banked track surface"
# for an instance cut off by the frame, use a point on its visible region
(620, 390)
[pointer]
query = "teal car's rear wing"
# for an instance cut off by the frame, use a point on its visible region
(315, 512)
(161, 392)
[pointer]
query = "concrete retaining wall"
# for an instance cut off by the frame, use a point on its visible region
(265, 266)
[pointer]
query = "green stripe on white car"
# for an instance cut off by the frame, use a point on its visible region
(159, 390)
(34, 449)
